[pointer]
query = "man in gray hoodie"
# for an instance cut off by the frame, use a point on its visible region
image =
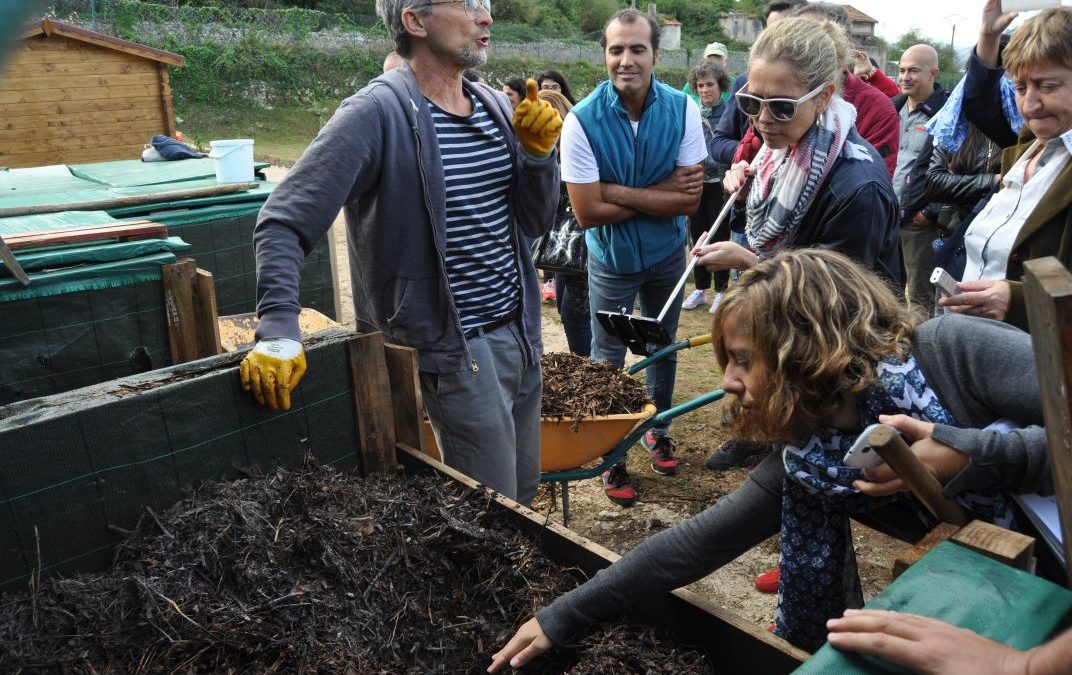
(437, 187)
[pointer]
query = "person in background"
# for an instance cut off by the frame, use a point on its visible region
(632, 160)
(921, 98)
(1031, 216)
(814, 348)
(571, 290)
(709, 81)
(437, 263)
(514, 88)
(552, 80)
(931, 647)
(866, 68)
(392, 61)
(716, 53)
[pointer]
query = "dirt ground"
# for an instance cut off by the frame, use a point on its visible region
(665, 501)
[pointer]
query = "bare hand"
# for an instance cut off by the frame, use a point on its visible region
(528, 642)
(723, 255)
(920, 218)
(922, 645)
(989, 299)
(687, 179)
(942, 461)
(736, 178)
(861, 63)
(994, 21)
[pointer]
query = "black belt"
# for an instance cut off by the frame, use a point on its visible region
(488, 327)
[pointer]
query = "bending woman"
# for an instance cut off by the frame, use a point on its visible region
(817, 182)
(814, 348)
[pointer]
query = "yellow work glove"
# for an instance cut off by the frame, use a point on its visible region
(536, 124)
(272, 369)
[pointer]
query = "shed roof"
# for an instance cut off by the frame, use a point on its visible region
(52, 27)
(857, 15)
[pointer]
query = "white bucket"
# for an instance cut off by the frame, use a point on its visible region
(234, 160)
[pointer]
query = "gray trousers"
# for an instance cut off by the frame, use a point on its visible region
(487, 423)
(917, 247)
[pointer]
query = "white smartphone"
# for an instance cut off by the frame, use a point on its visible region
(944, 281)
(861, 455)
(1026, 5)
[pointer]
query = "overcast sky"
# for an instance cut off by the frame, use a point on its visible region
(934, 18)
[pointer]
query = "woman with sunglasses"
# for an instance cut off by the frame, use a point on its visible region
(817, 183)
(815, 348)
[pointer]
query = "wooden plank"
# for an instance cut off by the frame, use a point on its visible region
(129, 200)
(178, 283)
(78, 120)
(59, 67)
(1012, 548)
(74, 54)
(90, 81)
(372, 400)
(406, 401)
(77, 156)
(739, 645)
(79, 107)
(127, 231)
(144, 129)
(136, 140)
(1048, 293)
(911, 555)
(165, 101)
(77, 94)
(82, 35)
(208, 327)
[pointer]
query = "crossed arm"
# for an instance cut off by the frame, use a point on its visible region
(603, 203)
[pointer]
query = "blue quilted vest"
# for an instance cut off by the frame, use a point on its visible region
(633, 245)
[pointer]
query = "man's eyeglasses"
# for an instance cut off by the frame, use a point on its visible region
(781, 109)
(472, 7)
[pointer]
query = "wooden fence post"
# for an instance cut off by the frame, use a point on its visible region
(1048, 293)
(372, 400)
(178, 281)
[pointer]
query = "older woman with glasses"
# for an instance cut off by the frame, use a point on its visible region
(817, 183)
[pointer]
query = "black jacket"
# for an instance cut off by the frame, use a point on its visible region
(912, 198)
(959, 189)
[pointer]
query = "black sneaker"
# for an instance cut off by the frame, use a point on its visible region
(734, 453)
(618, 486)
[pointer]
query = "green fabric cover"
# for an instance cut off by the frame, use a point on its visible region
(51, 258)
(87, 277)
(965, 589)
(128, 173)
(53, 221)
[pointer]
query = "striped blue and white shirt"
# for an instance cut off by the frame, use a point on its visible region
(481, 269)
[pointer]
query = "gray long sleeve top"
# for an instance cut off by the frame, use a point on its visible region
(378, 159)
(982, 370)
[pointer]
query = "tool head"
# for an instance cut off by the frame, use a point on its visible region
(639, 333)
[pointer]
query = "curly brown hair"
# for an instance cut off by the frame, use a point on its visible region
(818, 323)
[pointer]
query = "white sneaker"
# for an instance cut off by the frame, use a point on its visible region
(715, 303)
(695, 299)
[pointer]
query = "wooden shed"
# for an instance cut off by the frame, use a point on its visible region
(70, 95)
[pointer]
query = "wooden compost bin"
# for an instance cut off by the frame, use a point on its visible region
(73, 464)
(72, 95)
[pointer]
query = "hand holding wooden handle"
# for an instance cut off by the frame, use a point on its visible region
(895, 452)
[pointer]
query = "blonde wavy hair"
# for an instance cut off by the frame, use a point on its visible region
(818, 323)
(1044, 38)
(817, 50)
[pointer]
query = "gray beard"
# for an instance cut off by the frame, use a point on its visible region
(468, 57)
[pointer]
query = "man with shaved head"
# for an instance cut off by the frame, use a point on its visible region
(920, 98)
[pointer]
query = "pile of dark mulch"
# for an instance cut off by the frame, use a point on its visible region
(575, 387)
(314, 571)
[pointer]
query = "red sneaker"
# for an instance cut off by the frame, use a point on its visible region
(768, 581)
(548, 291)
(618, 486)
(770, 628)
(661, 450)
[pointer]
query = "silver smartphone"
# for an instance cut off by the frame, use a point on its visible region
(944, 281)
(861, 455)
(1026, 5)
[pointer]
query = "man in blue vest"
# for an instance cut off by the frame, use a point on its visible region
(632, 160)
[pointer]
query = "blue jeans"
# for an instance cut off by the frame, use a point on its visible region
(741, 239)
(610, 291)
(571, 296)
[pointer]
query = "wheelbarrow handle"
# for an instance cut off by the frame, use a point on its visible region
(710, 235)
(687, 343)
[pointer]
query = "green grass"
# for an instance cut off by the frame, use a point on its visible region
(280, 135)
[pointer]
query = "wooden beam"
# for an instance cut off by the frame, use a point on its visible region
(178, 281)
(1048, 293)
(208, 326)
(52, 27)
(128, 231)
(165, 100)
(406, 401)
(910, 556)
(1012, 548)
(372, 400)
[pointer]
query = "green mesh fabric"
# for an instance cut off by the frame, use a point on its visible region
(50, 259)
(965, 589)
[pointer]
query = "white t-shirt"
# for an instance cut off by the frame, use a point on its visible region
(989, 239)
(579, 163)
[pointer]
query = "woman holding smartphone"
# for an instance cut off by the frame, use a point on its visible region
(814, 348)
